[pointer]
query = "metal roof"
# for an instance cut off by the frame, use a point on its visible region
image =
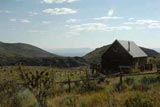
(132, 49)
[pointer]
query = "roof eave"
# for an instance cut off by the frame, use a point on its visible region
(141, 56)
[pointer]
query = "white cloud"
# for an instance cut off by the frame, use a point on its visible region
(32, 13)
(25, 21)
(58, 1)
(119, 28)
(130, 23)
(72, 20)
(13, 20)
(46, 22)
(88, 27)
(108, 18)
(154, 25)
(5, 11)
(58, 11)
(142, 22)
(97, 27)
(145, 22)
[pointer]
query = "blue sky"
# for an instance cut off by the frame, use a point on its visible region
(51, 24)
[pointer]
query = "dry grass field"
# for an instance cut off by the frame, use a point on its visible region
(26, 86)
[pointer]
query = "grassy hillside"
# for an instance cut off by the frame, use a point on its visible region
(95, 56)
(150, 52)
(12, 54)
(22, 50)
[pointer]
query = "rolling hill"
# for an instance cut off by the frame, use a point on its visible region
(95, 56)
(22, 50)
(14, 53)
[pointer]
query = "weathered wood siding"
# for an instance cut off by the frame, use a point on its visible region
(115, 56)
(139, 62)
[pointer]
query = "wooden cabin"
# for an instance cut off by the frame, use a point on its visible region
(122, 53)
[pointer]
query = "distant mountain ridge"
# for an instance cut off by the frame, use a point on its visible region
(71, 52)
(95, 55)
(157, 49)
(22, 50)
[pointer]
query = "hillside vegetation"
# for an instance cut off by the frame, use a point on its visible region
(14, 53)
(51, 87)
(22, 50)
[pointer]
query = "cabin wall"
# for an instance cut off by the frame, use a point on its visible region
(139, 62)
(114, 57)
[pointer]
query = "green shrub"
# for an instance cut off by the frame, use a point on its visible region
(120, 87)
(93, 100)
(1, 105)
(111, 100)
(148, 80)
(91, 86)
(158, 79)
(139, 101)
(25, 99)
(67, 101)
(129, 81)
(140, 87)
(101, 78)
(83, 103)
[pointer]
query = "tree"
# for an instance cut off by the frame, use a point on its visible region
(39, 83)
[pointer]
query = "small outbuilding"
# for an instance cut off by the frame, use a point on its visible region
(122, 53)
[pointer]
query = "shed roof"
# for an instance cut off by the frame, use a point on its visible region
(132, 49)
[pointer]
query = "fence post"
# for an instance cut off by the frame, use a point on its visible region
(121, 76)
(62, 87)
(87, 80)
(69, 84)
